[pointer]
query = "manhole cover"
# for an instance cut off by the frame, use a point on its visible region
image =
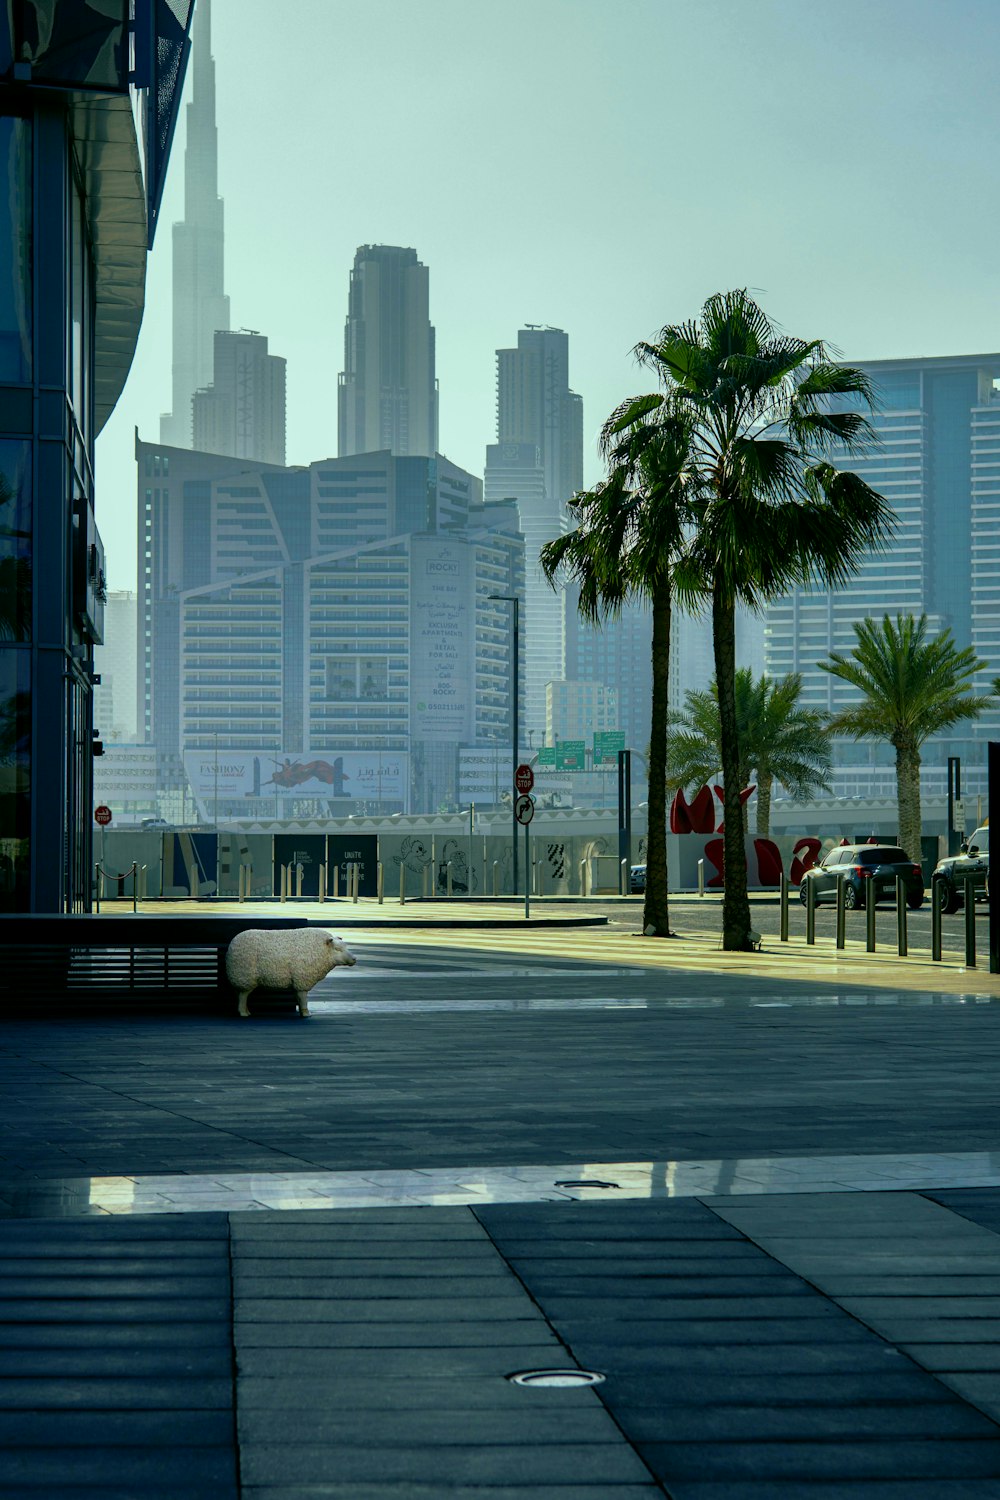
(556, 1377)
(582, 1182)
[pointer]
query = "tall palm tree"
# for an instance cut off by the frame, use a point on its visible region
(630, 532)
(779, 740)
(912, 685)
(771, 508)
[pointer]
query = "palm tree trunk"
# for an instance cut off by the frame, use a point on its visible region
(655, 916)
(908, 799)
(763, 805)
(736, 922)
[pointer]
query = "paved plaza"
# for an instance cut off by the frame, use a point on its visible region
(301, 1260)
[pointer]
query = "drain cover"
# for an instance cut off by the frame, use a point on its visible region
(582, 1182)
(556, 1377)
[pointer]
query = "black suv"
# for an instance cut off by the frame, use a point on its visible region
(867, 869)
(974, 861)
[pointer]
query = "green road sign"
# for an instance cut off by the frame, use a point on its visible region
(607, 744)
(570, 755)
(546, 757)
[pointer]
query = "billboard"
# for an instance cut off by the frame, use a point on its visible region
(440, 655)
(235, 776)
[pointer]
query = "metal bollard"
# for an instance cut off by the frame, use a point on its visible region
(496, 877)
(299, 873)
(970, 924)
(623, 878)
(811, 911)
(937, 882)
(402, 884)
(135, 886)
(380, 881)
(701, 877)
(841, 939)
(193, 882)
(783, 907)
(336, 882)
(322, 883)
(900, 916)
(425, 882)
(283, 892)
(583, 877)
(97, 887)
(870, 917)
(448, 890)
(357, 883)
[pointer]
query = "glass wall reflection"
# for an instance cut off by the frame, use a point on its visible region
(15, 778)
(15, 251)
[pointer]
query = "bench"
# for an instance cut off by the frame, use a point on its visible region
(81, 963)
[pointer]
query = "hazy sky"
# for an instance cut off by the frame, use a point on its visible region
(600, 165)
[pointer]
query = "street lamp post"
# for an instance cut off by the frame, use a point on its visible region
(514, 676)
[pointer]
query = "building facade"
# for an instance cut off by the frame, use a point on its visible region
(86, 119)
(579, 710)
(537, 461)
(938, 464)
(387, 397)
(115, 695)
(242, 413)
(335, 617)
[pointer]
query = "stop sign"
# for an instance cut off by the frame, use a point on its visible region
(524, 778)
(102, 815)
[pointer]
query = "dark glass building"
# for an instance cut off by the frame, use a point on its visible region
(88, 98)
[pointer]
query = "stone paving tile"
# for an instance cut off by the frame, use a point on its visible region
(116, 1383)
(839, 1459)
(572, 1489)
(856, 1489)
(486, 1464)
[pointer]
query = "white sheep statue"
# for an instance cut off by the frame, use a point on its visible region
(295, 959)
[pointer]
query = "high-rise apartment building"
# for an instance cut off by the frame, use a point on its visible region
(339, 613)
(387, 396)
(115, 663)
(537, 461)
(242, 413)
(200, 305)
(939, 466)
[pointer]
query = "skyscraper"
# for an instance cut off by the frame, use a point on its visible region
(387, 397)
(939, 422)
(537, 460)
(242, 413)
(200, 303)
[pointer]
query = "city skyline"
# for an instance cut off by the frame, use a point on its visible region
(535, 244)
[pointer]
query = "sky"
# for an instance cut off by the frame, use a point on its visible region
(603, 166)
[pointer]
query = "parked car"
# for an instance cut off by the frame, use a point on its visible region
(955, 869)
(637, 880)
(869, 872)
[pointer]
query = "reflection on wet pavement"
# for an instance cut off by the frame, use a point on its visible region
(580, 1181)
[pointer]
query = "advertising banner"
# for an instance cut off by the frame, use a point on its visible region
(440, 647)
(307, 850)
(354, 849)
(371, 775)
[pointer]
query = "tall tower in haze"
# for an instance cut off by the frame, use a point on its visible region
(200, 304)
(387, 396)
(537, 460)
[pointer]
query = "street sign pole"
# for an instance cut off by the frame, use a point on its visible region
(625, 807)
(527, 874)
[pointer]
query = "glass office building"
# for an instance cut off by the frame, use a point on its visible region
(938, 464)
(88, 97)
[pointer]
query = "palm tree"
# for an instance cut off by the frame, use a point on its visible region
(630, 533)
(779, 740)
(912, 685)
(771, 509)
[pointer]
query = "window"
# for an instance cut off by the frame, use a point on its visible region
(15, 250)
